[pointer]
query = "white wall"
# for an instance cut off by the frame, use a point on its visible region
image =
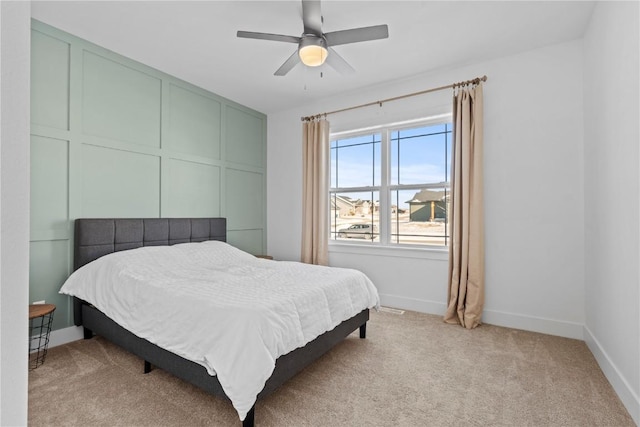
(15, 35)
(612, 196)
(534, 203)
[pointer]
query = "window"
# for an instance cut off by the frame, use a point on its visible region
(391, 186)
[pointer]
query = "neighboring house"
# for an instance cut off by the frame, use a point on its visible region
(344, 206)
(363, 207)
(367, 207)
(335, 209)
(428, 205)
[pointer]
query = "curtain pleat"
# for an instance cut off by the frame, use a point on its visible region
(315, 195)
(466, 246)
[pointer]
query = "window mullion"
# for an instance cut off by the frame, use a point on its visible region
(385, 175)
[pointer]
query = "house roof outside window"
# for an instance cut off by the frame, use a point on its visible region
(425, 196)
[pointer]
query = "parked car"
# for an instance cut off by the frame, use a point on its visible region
(359, 231)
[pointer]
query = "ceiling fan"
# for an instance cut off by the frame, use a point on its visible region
(314, 46)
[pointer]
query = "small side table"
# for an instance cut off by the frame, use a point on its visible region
(40, 320)
(264, 256)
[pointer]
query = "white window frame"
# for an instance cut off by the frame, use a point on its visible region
(385, 188)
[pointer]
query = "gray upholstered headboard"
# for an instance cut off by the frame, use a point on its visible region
(97, 237)
(101, 236)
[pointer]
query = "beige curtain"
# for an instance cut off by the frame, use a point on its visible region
(315, 195)
(466, 247)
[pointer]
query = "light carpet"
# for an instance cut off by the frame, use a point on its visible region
(412, 370)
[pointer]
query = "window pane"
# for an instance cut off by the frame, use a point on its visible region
(420, 217)
(355, 216)
(419, 155)
(355, 162)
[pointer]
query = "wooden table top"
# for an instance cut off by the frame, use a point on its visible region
(38, 310)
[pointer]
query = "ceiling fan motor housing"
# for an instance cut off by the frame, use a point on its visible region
(312, 50)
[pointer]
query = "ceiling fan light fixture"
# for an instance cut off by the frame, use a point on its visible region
(313, 44)
(313, 51)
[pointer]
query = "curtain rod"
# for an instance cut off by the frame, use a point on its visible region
(453, 85)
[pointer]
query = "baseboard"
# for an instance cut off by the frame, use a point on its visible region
(421, 306)
(629, 399)
(66, 335)
(534, 324)
(491, 317)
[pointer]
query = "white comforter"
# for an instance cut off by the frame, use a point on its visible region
(221, 307)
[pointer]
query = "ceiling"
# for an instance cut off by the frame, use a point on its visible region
(196, 41)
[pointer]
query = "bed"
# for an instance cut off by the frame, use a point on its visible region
(95, 238)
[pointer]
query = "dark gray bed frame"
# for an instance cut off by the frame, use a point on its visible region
(97, 237)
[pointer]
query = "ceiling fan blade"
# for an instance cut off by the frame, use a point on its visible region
(288, 64)
(338, 63)
(356, 35)
(267, 36)
(312, 17)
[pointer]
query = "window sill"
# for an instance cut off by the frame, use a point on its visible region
(434, 253)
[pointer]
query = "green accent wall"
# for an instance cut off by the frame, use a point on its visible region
(111, 137)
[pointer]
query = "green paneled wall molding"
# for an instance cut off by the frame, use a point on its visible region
(111, 137)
